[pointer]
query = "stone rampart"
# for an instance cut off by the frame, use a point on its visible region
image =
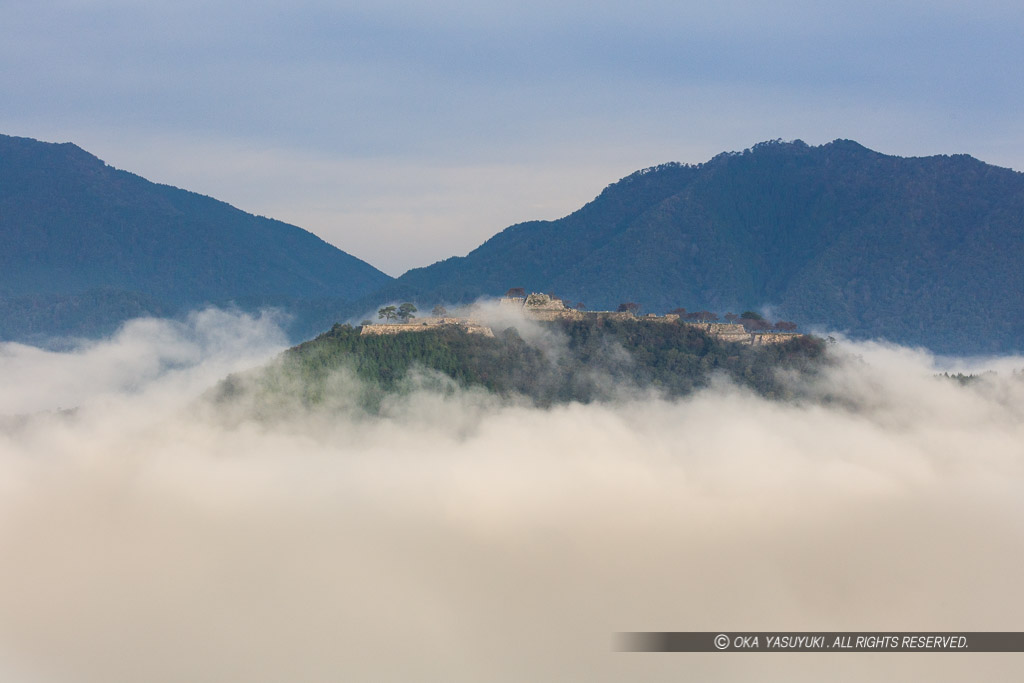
(765, 338)
(719, 329)
(546, 309)
(550, 314)
(424, 324)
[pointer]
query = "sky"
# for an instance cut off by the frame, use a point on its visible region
(405, 132)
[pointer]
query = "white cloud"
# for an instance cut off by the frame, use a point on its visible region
(181, 354)
(460, 540)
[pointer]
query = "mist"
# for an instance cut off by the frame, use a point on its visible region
(147, 536)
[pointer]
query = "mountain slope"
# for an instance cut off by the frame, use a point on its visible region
(583, 360)
(71, 226)
(917, 250)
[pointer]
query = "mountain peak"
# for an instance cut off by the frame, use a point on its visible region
(922, 250)
(70, 225)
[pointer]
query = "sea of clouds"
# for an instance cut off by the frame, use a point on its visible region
(147, 536)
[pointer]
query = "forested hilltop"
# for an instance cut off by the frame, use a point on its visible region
(556, 362)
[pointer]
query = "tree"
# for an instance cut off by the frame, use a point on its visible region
(628, 307)
(751, 315)
(785, 326)
(388, 313)
(580, 306)
(516, 293)
(758, 324)
(405, 312)
(439, 311)
(678, 311)
(731, 317)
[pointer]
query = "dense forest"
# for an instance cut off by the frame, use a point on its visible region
(587, 360)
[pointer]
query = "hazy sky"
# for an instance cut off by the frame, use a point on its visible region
(405, 132)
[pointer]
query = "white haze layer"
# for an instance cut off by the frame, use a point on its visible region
(145, 538)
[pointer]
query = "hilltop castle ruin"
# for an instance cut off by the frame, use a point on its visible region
(545, 308)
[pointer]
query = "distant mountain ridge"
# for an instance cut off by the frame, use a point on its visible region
(922, 251)
(73, 229)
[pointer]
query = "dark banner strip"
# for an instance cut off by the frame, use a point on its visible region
(821, 641)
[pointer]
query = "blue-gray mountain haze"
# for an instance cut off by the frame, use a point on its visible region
(921, 251)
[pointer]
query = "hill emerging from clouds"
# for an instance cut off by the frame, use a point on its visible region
(917, 250)
(86, 246)
(539, 363)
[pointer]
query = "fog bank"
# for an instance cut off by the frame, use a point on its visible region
(144, 537)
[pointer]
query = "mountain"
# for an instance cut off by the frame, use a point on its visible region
(925, 251)
(84, 246)
(582, 360)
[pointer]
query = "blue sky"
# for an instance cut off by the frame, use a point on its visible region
(405, 132)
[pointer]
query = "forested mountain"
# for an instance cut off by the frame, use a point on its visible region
(84, 246)
(582, 360)
(916, 250)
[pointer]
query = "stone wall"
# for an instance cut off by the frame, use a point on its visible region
(424, 324)
(733, 332)
(719, 328)
(549, 314)
(764, 338)
(543, 308)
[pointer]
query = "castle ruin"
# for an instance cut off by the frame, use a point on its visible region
(545, 308)
(424, 324)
